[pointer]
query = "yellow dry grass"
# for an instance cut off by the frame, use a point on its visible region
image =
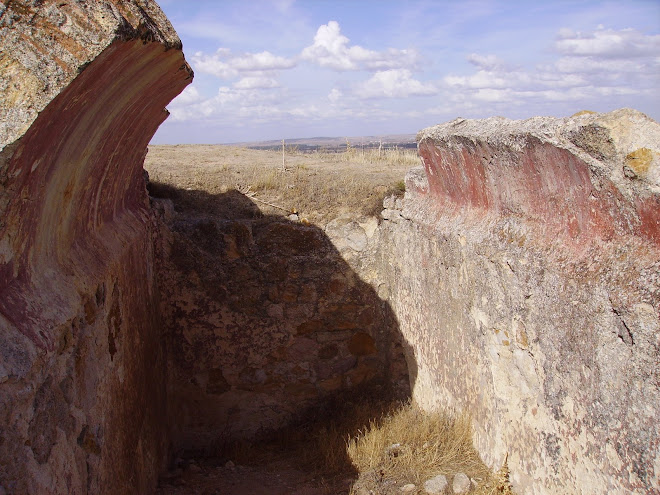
(392, 156)
(410, 446)
(499, 484)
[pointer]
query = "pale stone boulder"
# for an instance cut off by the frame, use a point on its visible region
(436, 485)
(461, 483)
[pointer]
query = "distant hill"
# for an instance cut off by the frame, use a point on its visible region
(335, 143)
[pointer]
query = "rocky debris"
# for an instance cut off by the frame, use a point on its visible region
(461, 483)
(436, 485)
(522, 270)
(407, 488)
(391, 215)
(83, 87)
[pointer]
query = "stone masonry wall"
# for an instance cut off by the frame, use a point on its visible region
(264, 320)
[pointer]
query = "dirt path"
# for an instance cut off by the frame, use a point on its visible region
(278, 477)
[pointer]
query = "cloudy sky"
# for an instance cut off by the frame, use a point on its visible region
(278, 69)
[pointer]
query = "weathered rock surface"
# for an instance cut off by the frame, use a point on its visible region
(83, 89)
(523, 267)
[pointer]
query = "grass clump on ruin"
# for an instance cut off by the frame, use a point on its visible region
(410, 446)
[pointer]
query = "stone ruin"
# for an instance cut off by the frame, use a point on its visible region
(518, 279)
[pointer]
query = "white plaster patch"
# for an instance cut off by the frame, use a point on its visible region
(6, 253)
(480, 318)
(613, 456)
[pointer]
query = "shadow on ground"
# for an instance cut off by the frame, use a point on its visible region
(277, 350)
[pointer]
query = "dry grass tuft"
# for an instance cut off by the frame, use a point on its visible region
(499, 484)
(411, 446)
(393, 157)
(378, 444)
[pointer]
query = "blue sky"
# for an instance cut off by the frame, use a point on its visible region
(282, 69)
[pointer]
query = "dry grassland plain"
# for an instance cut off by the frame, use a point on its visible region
(317, 186)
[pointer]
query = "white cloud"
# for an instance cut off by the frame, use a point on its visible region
(482, 79)
(518, 85)
(611, 57)
(335, 95)
(486, 62)
(584, 65)
(608, 43)
(188, 96)
(256, 82)
(283, 5)
(592, 69)
(225, 65)
(393, 83)
(243, 98)
(214, 64)
(331, 49)
(261, 61)
(493, 95)
(591, 65)
(230, 102)
(307, 111)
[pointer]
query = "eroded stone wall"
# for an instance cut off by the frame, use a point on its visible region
(523, 268)
(82, 394)
(519, 275)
